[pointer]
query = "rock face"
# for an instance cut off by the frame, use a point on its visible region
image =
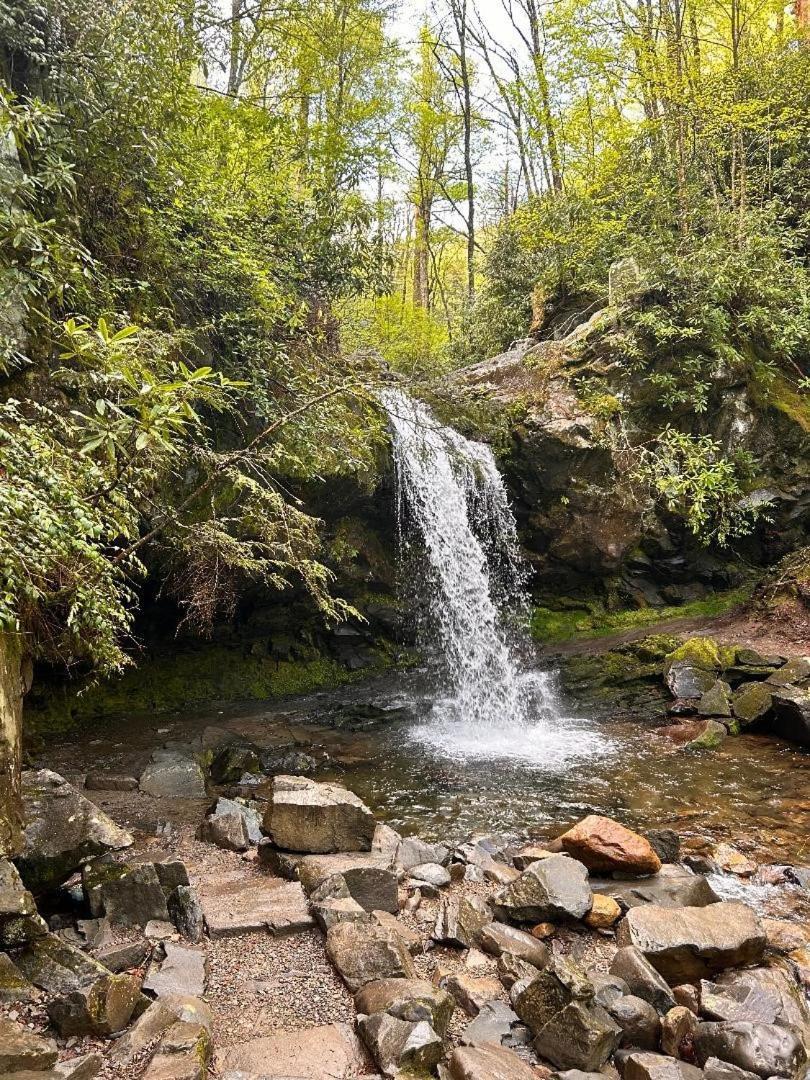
(763, 1049)
(320, 818)
(602, 844)
(556, 888)
(64, 831)
(684, 944)
(365, 952)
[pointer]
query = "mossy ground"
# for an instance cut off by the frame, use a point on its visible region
(550, 626)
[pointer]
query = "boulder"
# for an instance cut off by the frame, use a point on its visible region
(19, 920)
(186, 913)
(283, 864)
(715, 1069)
(710, 734)
(84, 1067)
(791, 715)
(639, 1022)
(471, 992)
(407, 999)
(630, 965)
(386, 841)
(183, 973)
(226, 826)
(368, 879)
(124, 955)
(715, 702)
(685, 944)
(431, 873)
(540, 996)
(13, 984)
(495, 1023)
(795, 671)
(400, 1046)
(64, 831)
(602, 844)
(583, 1035)
(511, 969)
(365, 952)
(751, 701)
(607, 988)
(645, 1066)
(389, 922)
(733, 861)
(172, 774)
(102, 1008)
(678, 1029)
(686, 680)
(604, 913)
(665, 843)
(337, 909)
(497, 938)
(155, 1021)
(327, 1052)
(56, 966)
(460, 920)
(553, 889)
(305, 816)
(672, 886)
(128, 895)
(22, 1050)
(529, 854)
(182, 1054)
(488, 1063)
(411, 852)
(763, 995)
(764, 1049)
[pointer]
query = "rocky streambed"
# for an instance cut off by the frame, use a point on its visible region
(202, 922)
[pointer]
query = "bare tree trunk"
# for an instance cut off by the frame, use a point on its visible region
(421, 255)
(14, 681)
(459, 10)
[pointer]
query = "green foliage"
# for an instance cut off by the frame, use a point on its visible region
(410, 339)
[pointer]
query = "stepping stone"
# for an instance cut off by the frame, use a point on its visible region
(235, 903)
(672, 886)
(328, 1052)
(64, 831)
(317, 818)
(184, 971)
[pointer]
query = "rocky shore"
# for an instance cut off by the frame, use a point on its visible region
(279, 930)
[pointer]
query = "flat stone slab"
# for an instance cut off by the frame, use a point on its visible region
(488, 1063)
(183, 972)
(672, 886)
(329, 1052)
(235, 903)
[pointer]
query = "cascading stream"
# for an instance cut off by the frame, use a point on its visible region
(488, 701)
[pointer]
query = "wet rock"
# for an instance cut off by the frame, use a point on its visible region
(686, 680)
(497, 938)
(764, 1049)
(733, 861)
(765, 995)
(105, 781)
(21, 1049)
(365, 952)
(495, 1023)
(751, 702)
(407, 999)
(186, 913)
(710, 735)
(128, 895)
(413, 852)
(672, 886)
(665, 843)
(399, 1046)
(715, 1069)
(19, 920)
(13, 984)
(684, 944)
(460, 920)
(101, 1009)
(56, 966)
(604, 913)
(123, 956)
(470, 992)
(430, 873)
(327, 1052)
(235, 904)
(678, 1029)
(488, 1063)
(581, 1036)
(231, 762)
(155, 1021)
(795, 671)
(320, 818)
(556, 888)
(172, 774)
(638, 1020)
(630, 965)
(602, 844)
(184, 972)
(784, 937)
(64, 831)
(716, 701)
(645, 1066)
(791, 715)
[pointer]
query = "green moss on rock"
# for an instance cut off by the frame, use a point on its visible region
(704, 653)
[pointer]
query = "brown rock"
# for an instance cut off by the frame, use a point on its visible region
(603, 844)
(784, 937)
(413, 1000)
(687, 995)
(364, 952)
(678, 1029)
(103, 1008)
(543, 930)
(497, 938)
(303, 815)
(21, 1049)
(604, 913)
(470, 992)
(233, 904)
(646, 1066)
(488, 1063)
(329, 1052)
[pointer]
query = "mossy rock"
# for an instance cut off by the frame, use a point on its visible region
(713, 734)
(704, 653)
(751, 702)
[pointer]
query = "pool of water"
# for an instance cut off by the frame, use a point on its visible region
(444, 781)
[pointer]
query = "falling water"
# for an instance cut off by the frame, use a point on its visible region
(488, 701)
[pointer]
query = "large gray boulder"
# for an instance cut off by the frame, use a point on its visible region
(19, 920)
(63, 831)
(553, 889)
(365, 952)
(173, 774)
(685, 944)
(56, 966)
(764, 995)
(305, 816)
(672, 886)
(764, 1049)
(367, 878)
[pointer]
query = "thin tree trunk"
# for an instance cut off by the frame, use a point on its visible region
(14, 681)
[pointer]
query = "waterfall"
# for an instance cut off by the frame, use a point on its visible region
(488, 700)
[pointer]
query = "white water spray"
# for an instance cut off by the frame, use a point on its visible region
(489, 702)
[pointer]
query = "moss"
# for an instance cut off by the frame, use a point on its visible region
(550, 625)
(215, 673)
(703, 652)
(772, 389)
